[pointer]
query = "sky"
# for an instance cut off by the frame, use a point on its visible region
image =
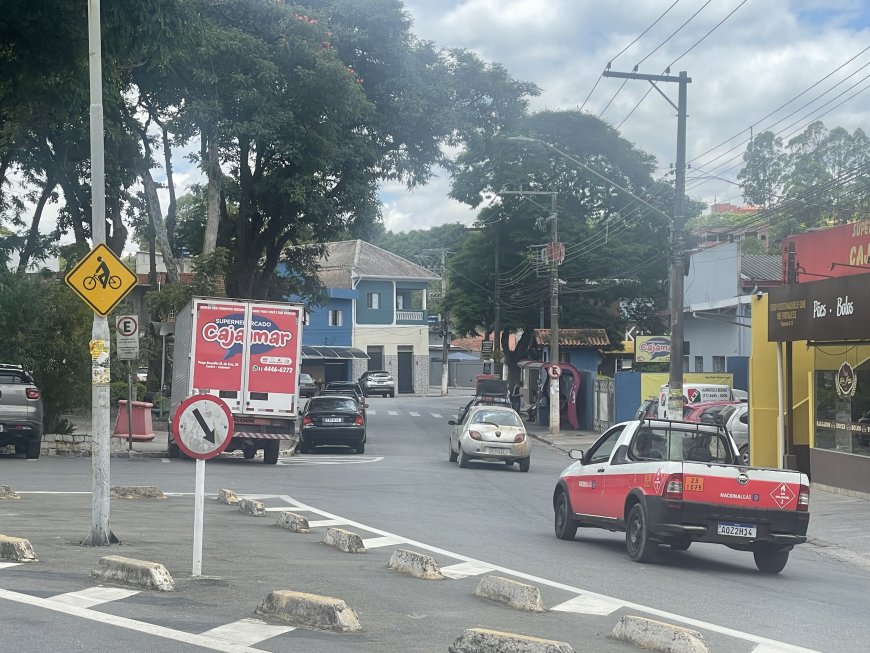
(759, 58)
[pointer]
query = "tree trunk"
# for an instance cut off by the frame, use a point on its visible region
(33, 235)
(512, 357)
(77, 216)
(170, 185)
(152, 201)
(213, 196)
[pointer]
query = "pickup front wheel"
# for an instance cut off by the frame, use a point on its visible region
(564, 522)
(640, 547)
(770, 560)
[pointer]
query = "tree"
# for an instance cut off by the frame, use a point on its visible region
(762, 176)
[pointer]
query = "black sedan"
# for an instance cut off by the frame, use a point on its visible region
(332, 419)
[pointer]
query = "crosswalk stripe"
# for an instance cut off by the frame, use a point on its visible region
(369, 411)
(465, 569)
(93, 596)
(377, 542)
(326, 522)
(392, 412)
(6, 565)
(588, 605)
(247, 631)
(438, 415)
(413, 414)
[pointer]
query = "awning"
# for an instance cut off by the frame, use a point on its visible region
(322, 352)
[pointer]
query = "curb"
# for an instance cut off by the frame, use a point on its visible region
(292, 522)
(482, 640)
(139, 573)
(343, 540)
(418, 565)
(252, 507)
(137, 492)
(658, 635)
(311, 610)
(17, 549)
(7, 492)
(510, 592)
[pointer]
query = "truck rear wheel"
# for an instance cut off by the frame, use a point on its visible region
(640, 547)
(270, 451)
(770, 560)
(172, 450)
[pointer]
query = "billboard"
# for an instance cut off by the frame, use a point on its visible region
(836, 252)
(652, 349)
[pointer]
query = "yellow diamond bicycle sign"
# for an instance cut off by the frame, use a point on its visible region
(101, 279)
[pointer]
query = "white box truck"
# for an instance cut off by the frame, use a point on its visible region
(248, 354)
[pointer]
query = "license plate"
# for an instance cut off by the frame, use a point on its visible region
(736, 529)
(331, 420)
(497, 450)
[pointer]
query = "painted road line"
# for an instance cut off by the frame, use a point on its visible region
(371, 412)
(130, 624)
(584, 604)
(780, 647)
(356, 460)
(467, 569)
(413, 414)
(93, 596)
(278, 509)
(326, 522)
(378, 542)
(165, 460)
(6, 565)
(392, 412)
(770, 648)
(247, 631)
(436, 415)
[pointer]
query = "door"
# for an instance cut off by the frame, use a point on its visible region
(586, 482)
(406, 370)
(376, 358)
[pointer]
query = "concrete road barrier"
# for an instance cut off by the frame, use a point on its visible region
(658, 635)
(418, 565)
(481, 640)
(227, 497)
(510, 592)
(7, 492)
(137, 492)
(293, 522)
(310, 610)
(343, 540)
(139, 573)
(17, 549)
(252, 507)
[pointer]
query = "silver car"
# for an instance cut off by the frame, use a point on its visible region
(490, 433)
(20, 411)
(736, 419)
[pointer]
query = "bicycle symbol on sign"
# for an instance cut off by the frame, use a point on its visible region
(102, 276)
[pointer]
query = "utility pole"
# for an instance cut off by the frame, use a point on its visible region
(445, 328)
(678, 253)
(497, 366)
(100, 344)
(554, 315)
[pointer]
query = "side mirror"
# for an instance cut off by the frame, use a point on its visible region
(452, 422)
(576, 454)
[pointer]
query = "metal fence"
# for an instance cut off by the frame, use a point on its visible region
(603, 393)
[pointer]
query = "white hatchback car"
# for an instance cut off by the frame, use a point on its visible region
(490, 433)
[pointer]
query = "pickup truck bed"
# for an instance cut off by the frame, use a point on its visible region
(675, 483)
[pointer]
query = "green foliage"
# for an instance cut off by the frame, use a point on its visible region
(46, 328)
(208, 271)
(120, 390)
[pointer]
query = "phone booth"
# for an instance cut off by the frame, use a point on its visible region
(569, 385)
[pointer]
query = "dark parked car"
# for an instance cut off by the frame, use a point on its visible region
(345, 387)
(20, 411)
(378, 382)
(332, 419)
(307, 386)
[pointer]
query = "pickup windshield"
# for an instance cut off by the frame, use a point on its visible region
(689, 445)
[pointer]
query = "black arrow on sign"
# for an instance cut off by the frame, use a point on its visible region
(209, 433)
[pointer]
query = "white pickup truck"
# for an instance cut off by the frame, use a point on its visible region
(674, 483)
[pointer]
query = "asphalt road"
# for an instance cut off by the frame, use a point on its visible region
(485, 519)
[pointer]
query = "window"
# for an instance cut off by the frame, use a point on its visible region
(400, 302)
(699, 363)
(601, 450)
(718, 363)
(306, 318)
(374, 300)
(335, 318)
(701, 445)
(685, 363)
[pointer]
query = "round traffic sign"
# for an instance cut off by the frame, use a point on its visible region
(203, 426)
(555, 371)
(127, 325)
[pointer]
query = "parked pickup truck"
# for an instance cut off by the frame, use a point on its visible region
(20, 411)
(674, 483)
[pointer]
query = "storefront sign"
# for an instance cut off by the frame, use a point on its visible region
(652, 349)
(842, 426)
(836, 252)
(847, 381)
(832, 309)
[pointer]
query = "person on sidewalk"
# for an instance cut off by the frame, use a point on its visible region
(516, 396)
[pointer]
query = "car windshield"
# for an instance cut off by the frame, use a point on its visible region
(305, 378)
(663, 443)
(497, 417)
(331, 403)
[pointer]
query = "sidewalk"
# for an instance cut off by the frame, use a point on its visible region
(565, 441)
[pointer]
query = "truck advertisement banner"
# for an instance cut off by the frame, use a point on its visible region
(274, 348)
(218, 340)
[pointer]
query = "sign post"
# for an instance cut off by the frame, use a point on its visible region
(127, 336)
(203, 427)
